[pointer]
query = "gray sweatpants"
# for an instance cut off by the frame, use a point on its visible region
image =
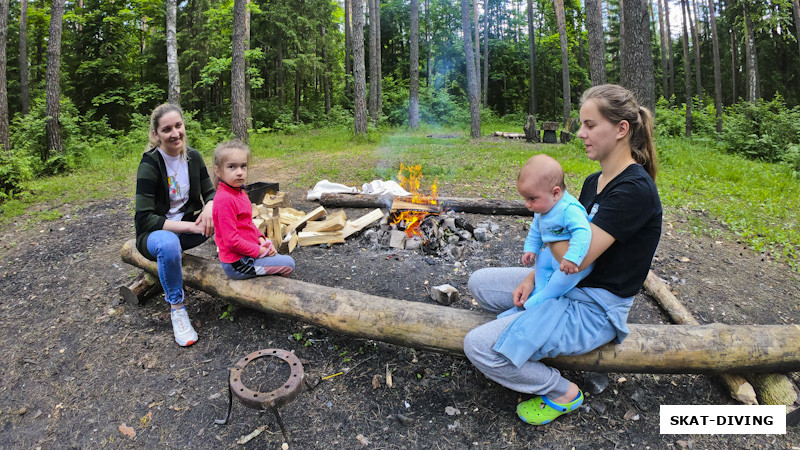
(492, 288)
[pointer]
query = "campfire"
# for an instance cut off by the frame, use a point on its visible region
(409, 213)
(419, 222)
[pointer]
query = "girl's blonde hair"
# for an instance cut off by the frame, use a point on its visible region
(155, 117)
(221, 153)
(616, 104)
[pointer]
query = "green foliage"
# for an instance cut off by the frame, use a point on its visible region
(763, 130)
(14, 171)
(227, 314)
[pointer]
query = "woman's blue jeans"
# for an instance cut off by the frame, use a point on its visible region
(167, 247)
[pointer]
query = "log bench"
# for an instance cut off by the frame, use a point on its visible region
(712, 348)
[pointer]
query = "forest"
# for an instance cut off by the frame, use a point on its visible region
(84, 73)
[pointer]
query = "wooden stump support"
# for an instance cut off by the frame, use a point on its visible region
(141, 288)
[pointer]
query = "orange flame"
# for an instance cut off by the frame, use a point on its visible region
(410, 177)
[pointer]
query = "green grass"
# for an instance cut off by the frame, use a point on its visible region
(755, 201)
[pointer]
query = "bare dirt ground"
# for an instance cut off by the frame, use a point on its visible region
(78, 365)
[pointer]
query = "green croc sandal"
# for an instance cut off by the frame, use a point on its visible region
(541, 410)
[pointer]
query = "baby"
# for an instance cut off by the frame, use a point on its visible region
(558, 216)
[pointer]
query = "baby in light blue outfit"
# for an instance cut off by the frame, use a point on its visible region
(558, 216)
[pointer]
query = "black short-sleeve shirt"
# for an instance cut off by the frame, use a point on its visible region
(628, 209)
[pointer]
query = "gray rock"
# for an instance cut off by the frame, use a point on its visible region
(450, 224)
(595, 382)
(481, 234)
(444, 294)
(452, 239)
(466, 235)
(598, 406)
(413, 243)
(397, 239)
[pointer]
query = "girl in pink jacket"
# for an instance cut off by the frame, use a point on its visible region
(243, 250)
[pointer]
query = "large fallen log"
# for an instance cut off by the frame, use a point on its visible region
(712, 348)
(468, 205)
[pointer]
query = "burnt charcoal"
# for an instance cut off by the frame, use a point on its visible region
(462, 223)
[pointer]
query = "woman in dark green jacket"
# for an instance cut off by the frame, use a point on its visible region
(174, 198)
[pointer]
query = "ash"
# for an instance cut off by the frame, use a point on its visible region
(448, 236)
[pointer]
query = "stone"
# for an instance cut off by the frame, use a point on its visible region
(598, 406)
(466, 235)
(481, 234)
(414, 243)
(453, 238)
(595, 382)
(397, 239)
(566, 136)
(450, 224)
(444, 294)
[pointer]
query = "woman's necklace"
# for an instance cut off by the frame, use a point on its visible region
(174, 187)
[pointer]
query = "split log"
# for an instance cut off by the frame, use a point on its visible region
(354, 226)
(334, 222)
(306, 238)
(313, 215)
(140, 289)
(737, 385)
(712, 348)
(468, 205)
(402, 204)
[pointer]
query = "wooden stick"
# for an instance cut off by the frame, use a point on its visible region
(737, 385)
(649, 348)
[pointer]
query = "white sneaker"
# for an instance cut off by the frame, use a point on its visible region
(182, 327)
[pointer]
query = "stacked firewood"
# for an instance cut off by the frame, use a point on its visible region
(288, 227)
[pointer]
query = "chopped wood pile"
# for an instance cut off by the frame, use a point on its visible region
(288, 227)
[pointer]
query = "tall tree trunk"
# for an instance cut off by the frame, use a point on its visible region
(53, 87)
(413, 98)
(687, 69)
(348, 47)
(531, 61)
(359, 77)
(297, 87)
(373, 60)
(638, 54)
(248, 105)
(23, 57)
(326, 78)
(671, 61)
(693, 27)
(476, 16)
(279, 79)
(562, 37)
(750, 56)
(717, 70)
(4, 138)
(623, 52)
(428, 45)
(472, 76)
(379, 58)
(663, 33)
(485, 53)
(597, 44)
(238, 110)
(174, 89)
(734, 65)
(796, 11)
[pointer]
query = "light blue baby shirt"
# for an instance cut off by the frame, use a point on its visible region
(566, 221)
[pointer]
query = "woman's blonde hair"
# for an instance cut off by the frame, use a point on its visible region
(616, 104)
(221, 154)
(155, 117)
